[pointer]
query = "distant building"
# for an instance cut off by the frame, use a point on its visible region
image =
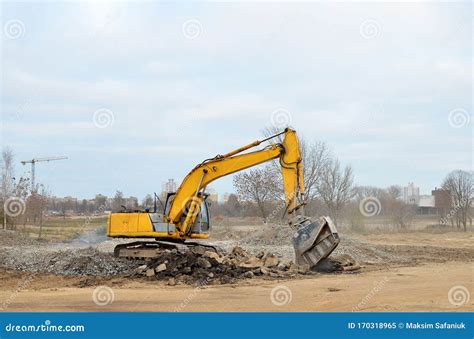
(411, 194)
(169, 186)
(225, 197)
(426, 205)
(438, 203)
(213, 196)
(443, 201)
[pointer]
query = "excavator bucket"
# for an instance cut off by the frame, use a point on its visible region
(314, 240)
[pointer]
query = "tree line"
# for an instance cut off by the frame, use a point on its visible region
(330, 190)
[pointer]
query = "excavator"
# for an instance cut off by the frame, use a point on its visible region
(184, 216)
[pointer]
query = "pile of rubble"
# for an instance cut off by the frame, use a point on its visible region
(190, 266)
(278, 239)
(200, 263)
(69, 262)
(10, 238)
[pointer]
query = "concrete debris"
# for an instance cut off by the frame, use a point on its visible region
(271, 260)
(200, 250)
(66, 261)
(192, 267)
(141, 268)
(197, 266)
(252, 262)
(204, 263)
(160, 268)
(14, 238)
(248, 274)
(214, 256)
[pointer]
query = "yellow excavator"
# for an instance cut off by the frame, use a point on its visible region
(185, 214)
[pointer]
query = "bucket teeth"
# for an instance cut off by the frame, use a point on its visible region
(313, 240)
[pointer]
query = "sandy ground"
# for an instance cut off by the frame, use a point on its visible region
(422, 288)
(427, 284)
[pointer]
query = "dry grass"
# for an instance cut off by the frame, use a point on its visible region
(60, 229)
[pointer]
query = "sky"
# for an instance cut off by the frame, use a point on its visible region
(134, 93)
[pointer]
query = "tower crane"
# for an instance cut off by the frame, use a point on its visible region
(33, 164)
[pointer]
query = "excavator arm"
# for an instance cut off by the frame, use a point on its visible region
(188, 196)
(312, 240)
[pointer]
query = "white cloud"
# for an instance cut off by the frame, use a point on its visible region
(177, 98)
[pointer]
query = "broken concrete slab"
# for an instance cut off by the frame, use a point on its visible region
(252, 262)
(271, 261)
(160, 268)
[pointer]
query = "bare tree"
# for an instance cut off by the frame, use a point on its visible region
(399, 213)
(100, 202)
(394, 192)
(132, 203)
(21, 191)
(336, 188)
(385, 202)
(118, 201)
(316, 157)
(36, 205)
(361, 192)
(148, 202)
(258, 186)
(7, 178)
(460, 184)
(232, 207)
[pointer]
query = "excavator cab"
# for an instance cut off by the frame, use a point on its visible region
(202, 224)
